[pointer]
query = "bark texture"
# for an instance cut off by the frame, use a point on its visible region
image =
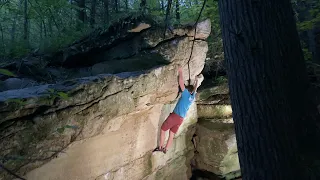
(106, 11)
(82, 13)
(93, 12)
(25, 24)
(269, 89)
(178, 11)
(143, 5)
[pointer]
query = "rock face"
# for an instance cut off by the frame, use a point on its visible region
(103, 125)
(215, 141)
(15, 83)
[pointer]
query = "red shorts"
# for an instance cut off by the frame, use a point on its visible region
(172, 122)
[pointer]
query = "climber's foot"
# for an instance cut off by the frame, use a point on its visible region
(164, 150)
(157, 149)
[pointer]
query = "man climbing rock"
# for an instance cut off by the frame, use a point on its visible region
(175, 119)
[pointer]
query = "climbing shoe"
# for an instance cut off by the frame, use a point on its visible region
(157, 149)
(164, 150)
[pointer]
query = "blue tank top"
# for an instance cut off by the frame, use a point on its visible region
(184, 103)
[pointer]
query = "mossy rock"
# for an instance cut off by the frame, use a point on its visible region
(232, 175)
(204, 94)
(216, 144)
(214, 111)
(216, 124)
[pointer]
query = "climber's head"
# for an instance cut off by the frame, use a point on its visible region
(190, 88)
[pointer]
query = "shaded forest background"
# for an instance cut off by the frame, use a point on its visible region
(43, 26)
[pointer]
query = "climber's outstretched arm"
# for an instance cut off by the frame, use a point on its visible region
(195, 86)
(197, 82)
(181, 81)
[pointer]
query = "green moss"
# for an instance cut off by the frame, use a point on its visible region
(214, 111)
(204, 94)
(220, 80)
(215, 90)
(46, 100)
(149, 164)
(215, 125)
(15, 103)
(229, 166)
(193, 121)
(159, 175)
(232, 175)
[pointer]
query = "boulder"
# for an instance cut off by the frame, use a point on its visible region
(215, 139)
(213, 102)
(204, 95)
(104, 125)
(16, 83)
(123, 151)
(217, 148)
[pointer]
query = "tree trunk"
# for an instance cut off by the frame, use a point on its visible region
(45, 29)
(167, 20)
(71, 20)
(126, 3)
(317, 44)
(81, 12)
(116, 7)
(196, 2)
(25, 24)
(143, 5)
(162, 5)
(41, 36)
(13, 29)
(3, 49)
(54, 21)
(50, 27)
(106, 11)
(268, 87)
(178, 11)
(93, 13)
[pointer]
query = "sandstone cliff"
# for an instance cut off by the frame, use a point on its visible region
(92, 120)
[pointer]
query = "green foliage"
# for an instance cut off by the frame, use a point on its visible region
(220, 80)
(307, 54)
(307, 14)
(310, 14)
(19, 102)
(18, 50)
(309, 24)
(56, 94)
(7, 73)
(52, 96)
(63, 95)
(54, 24)
(190, 14)
(51, 25)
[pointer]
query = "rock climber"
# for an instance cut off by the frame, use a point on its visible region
(175, 119)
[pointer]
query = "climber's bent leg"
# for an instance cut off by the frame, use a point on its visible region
(166, 125)
(173, 130)
(162, 134)
(171, 135)
(172, 122)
